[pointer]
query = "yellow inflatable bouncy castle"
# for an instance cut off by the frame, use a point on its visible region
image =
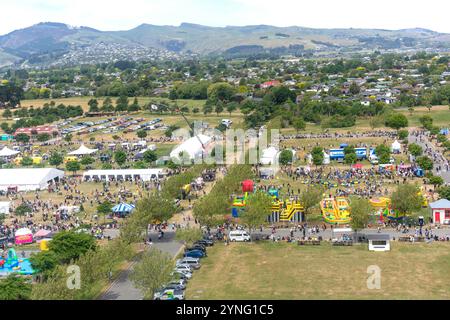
(335, 210)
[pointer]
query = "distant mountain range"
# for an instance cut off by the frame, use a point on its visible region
(49, 42)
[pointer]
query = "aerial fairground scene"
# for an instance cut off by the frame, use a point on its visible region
(224, 150)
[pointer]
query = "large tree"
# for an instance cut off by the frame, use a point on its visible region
(70, 245)
(310, 198)
(406, 199)
(396, 121)
(15, 288)
(152, 272)
(257, 209)
(360, 213)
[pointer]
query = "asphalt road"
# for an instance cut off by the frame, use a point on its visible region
(123, 288)
(426, 144)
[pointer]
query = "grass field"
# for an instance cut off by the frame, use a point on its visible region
(286, 271)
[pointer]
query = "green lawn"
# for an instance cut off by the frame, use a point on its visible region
(287, 271)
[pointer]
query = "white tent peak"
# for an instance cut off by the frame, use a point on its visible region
(82, 150)
(7, 152)
(396, 145)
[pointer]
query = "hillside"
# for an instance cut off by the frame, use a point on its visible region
(55, 43)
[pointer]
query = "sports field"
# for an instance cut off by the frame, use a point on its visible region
(270, 270)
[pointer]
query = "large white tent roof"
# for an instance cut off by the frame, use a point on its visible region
(144, 174)
(28, 177)
(191, 146)
(7, 152)
(82, 150)
(269, 156)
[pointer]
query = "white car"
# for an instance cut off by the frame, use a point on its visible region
(182, 274)
(169, 294)
(239, 236)
(194, 263)
(183, 268)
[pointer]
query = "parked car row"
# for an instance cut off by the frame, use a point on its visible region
(183, 271)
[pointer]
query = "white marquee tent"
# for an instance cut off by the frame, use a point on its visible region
(4, 207)
(82, 150)
(192, 147)
(124, 174)
(7, 152)
(269, 156)
(28, 179)
(396, 147)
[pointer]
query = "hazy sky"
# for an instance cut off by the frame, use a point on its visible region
(127, 14)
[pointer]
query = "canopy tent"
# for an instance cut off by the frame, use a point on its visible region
(7, 152)
(29, 179)
(123, 208)
(82, 150)
(23, 236)
(22, 232)
(42, 233)
(396, 147)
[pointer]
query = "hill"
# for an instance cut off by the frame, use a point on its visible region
(55, 43)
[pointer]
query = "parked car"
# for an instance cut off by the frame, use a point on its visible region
(196, 247)
(239, 236)
(169, 294)
(195, 254)
(182, 274)
(193, 262)
(205, 242)
(183, 268)
(180, 283)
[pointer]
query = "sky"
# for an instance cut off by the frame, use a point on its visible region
(108, 15)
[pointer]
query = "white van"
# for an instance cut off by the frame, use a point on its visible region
(239, 235)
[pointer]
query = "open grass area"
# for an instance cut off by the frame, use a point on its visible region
(270, 270)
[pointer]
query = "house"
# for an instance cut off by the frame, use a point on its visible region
(270, 84)
(379, 242)
(440, 211)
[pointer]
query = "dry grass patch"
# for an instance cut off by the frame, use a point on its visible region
(287, 271)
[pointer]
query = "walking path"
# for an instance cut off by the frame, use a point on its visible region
(122, 288)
